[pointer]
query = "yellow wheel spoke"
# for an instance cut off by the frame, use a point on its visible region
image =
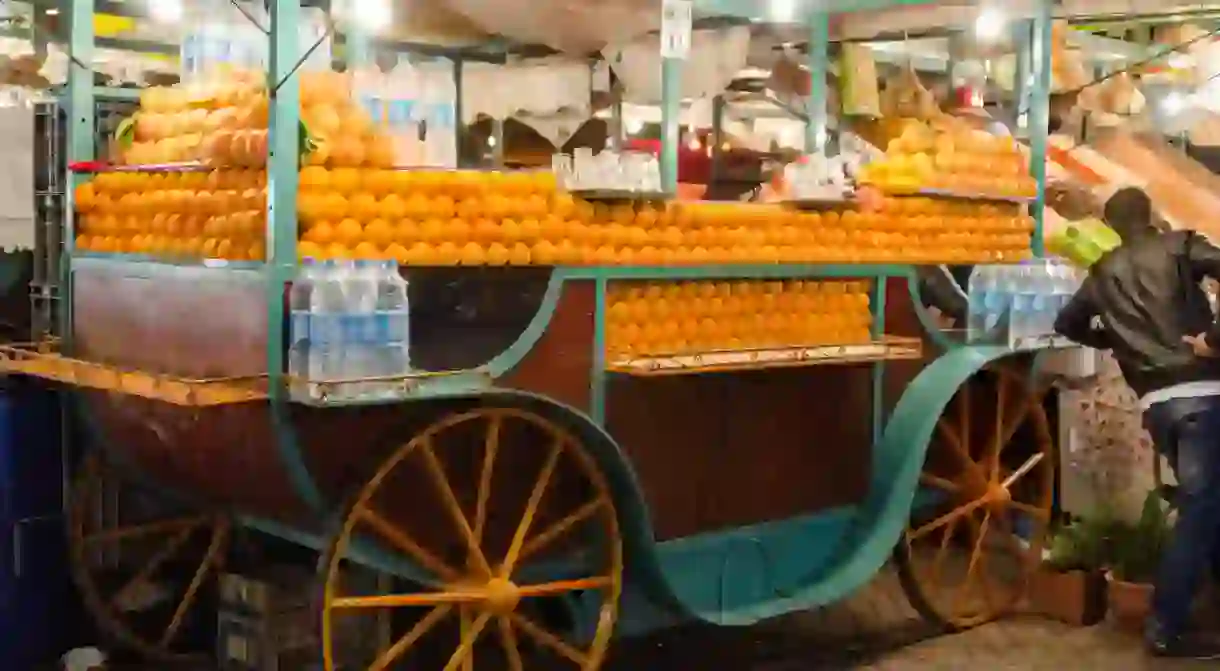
(1026, 467)
(188, 598)
(960, 450)
(938, 482)
(976, 554)
(1039, 512)
(942, 552)
(409, 639)
(464, 656)
(454, 508)
(402, 541)
(166, 553)
(406, 600)
(558, 529)
(565, 586)
(549, 640)
(508, 640)
(948, 517)
(150, 529)
(531, 509)
(490, 448)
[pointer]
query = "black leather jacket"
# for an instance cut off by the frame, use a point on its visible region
(1140, 300)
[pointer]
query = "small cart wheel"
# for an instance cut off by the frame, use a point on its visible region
(980, 518)
(504, 518)
(142, 569)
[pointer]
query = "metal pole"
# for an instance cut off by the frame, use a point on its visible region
(282, 166)
(818, 102)
(1039, 117)
(671, 103)
(718, 105)
(1021, 89)
(459, 126)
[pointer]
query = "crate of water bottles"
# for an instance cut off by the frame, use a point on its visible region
(1016, 305)
(349, 332)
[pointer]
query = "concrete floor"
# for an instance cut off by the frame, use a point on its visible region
(876, 630)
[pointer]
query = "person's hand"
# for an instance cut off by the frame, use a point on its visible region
(1198, 343)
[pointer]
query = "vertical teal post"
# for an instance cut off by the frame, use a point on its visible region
(597, 378)
(1039, 116)
(459, 126)
(80, 143)
(1021, 89)
(282, 166)
(671, 107)
(817, 60)
(357, 46)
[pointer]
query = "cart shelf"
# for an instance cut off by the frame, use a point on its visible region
(41, 360)
(888, 349)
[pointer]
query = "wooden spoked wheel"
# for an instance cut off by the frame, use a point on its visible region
(980, 518)
(505, 515)
(144, 567)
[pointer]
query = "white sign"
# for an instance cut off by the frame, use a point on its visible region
(676, 18)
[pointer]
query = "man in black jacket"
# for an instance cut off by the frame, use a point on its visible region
(1143, 301)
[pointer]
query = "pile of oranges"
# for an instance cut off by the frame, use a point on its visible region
(438, 218)
(960, 160)
(652, 319)
(178, 215)
(221, 121)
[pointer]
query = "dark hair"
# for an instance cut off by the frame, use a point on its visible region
(1129, 213)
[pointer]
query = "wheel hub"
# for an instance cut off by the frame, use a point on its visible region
(502, 596)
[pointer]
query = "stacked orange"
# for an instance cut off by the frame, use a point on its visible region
(956, 159)
(650, 319)
(178, 215)
(222, 120)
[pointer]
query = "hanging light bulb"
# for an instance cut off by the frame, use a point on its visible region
(989, 25)
(165, 11)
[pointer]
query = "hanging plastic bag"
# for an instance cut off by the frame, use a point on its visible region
(858, 82)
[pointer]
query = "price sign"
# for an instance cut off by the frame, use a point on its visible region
(676, 17)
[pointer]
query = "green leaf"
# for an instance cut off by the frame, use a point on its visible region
(125, 133)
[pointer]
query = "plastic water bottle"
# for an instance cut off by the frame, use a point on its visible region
(326, 312)
(394, 325)
(360, 328)
(997, 302)
(1037, 300)
(976, 303)
(300, 305)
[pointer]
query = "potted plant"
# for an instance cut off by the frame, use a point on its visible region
(1070, 585)
(1137, 554)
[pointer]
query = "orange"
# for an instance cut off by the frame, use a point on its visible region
(320, 233)
(84, 197)
(519, 255)
(473, 255)
(458, 231)
(363, 207)
(305, 250)
(345, 181)
(224, 248)
(543, 253)
(497, 254)
(397, 252)
(379, 233)
(407, 233)
(314, 177)
(392, 207)
(367, 250)
(336, 250)
(349, 232)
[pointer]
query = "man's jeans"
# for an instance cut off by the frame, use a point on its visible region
(1187, 432)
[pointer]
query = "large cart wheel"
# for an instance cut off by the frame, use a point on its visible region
(980, 519)
(507, 517)
(143, 567)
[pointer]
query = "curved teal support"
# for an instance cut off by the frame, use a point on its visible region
(849, 546)
(505, 361)
(293, 460)
(933, 330)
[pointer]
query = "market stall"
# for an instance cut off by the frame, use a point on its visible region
(559, 390)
